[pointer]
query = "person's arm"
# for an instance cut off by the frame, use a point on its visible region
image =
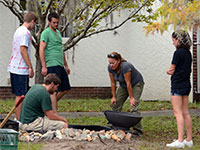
(42, 57)
(24, 53)
(175, 60)
(53, 116)
(65, 64)
(127, 77)
(171, 69)
(113, 88)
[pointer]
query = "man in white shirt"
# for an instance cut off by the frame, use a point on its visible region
(20, 66)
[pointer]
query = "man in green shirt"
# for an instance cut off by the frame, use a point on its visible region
(37, 113)
(52, 57)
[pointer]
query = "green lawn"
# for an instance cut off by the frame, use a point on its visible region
(157, 130)
(97, 105)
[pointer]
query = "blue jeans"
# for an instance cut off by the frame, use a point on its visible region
(180, 92)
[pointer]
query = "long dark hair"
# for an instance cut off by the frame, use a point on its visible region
(184, 40)
(117, 56)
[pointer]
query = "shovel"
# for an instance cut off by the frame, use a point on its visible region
(12, 110)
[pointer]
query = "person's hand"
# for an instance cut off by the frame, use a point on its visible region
(132, 102)
(44, 71)
(66, 121)
(170, 71)
(113, 102)
(66, 124)
(67, 70)
(31, 72)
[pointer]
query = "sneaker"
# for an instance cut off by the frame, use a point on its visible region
(188, 144)
(176, 144)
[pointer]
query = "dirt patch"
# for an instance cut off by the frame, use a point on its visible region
(94, 145)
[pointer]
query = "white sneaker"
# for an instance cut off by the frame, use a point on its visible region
(176, 144)
(188, 144)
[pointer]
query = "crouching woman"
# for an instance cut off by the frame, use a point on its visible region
(130, 85)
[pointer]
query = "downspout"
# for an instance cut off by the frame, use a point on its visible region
(198, 60)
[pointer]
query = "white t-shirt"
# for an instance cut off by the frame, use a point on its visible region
(17, 65)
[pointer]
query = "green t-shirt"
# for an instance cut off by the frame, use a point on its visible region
(36, 101)
(54, 49)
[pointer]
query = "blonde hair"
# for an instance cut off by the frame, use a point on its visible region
(28, 17)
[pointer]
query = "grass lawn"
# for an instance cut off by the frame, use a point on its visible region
(97, 105)
(157, 130)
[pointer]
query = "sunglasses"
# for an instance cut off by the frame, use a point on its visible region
(112, 56)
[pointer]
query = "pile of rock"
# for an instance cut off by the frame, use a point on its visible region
(76, 134)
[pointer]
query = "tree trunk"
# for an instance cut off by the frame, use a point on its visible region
(38, 76)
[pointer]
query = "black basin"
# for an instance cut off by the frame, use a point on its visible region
(89, 127)
(122, 119)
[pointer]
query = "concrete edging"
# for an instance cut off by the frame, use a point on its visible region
(96, 114)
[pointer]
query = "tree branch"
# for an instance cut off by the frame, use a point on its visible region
(78, 15)
(61, 7)
(3, 2)
(13, 9)
(48, 7)
(113, 28)
(93, 15)
(20, 7)
(75, 39)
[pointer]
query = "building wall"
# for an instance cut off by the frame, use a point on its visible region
(150, 55)
(7, 28)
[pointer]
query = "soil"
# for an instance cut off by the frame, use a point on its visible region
(93, 145)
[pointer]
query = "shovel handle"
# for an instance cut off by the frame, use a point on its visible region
(12, 110)
(19, 101)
